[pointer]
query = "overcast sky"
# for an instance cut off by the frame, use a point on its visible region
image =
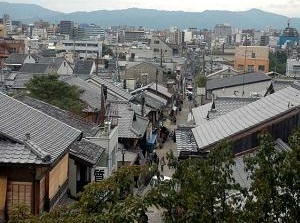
(289, 8)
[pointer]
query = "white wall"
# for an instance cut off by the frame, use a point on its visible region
(65, 68)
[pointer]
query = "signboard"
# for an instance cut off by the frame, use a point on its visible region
(99, 173)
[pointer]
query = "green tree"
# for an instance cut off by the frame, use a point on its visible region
(290, 179)
(264, 200)
(201, 80)
(278, 62)
(99, 202)
(50, 89)
(200, 190)
(106, 50)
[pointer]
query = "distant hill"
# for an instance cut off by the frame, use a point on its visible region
(151, 18)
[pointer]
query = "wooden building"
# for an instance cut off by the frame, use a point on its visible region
(34, 154)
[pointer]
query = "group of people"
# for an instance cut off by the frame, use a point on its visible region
(153, 158)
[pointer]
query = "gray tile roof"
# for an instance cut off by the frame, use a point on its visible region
(160, 88)
(185, 140)
(239, 173)
(47, 135)
(223, 105)
(127, 126)
(86, 151)
(83, 67)
(89, 129)
(248, 116)
(11, 152)
(21, 79)
(279, 84)
(91, 94)
(111, 87)
(35, 68)
(16, 58)
(55, 62)
(138, 109)
(236, 80)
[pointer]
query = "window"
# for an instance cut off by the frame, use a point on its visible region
(261, 67)
(156, 41)
(253, 55)
(156, 50)
(250, 68)
(240, 67)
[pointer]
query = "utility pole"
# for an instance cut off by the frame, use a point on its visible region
(156, 75)
(161, 55)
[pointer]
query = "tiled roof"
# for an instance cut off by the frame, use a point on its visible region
(185, 140)
(111, 87)
(248, 116)
(35, 68)
(138, 109)
(47, 135)
(239, 173)
(91, 94)
(16, 58)
(127, 126)
(160, 88)
(223, 105)
(236, 80)
(21, 79)
(11, 152)
(89, 129)
(55, 62)
(83, 67)
(279, 84)
(86, 151)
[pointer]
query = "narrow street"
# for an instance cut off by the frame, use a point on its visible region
(154, 214)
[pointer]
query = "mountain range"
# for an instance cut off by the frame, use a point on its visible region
(151, 18)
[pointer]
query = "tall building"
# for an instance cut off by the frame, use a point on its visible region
(222, 30)
(66, 27)
(93, 30)
(134, 35)
(251, 58)
(176, 37)
(289, 36)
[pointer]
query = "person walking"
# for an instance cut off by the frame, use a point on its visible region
(162, 163)
(155, 158)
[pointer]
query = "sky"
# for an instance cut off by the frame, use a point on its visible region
(290, 8)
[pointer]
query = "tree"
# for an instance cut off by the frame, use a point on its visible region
(278, 61)
(201, 80)
(205, 189)
(50, 89)
(290, 179)
(99, 202)
(264, 200)
(106, 50)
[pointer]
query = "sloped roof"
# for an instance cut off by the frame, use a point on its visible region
(279, 84)
(16, 58)
(55, 62)
(89, 129)
(35, 68)
(111, 87)
(185, 140)
(83, 67)
(236, 80)
(160, 88)
(91, 94)
(22, 78)
(127, 126)
(47, 134)
(248, 116)
(223, 105)
(11, 152)
(87, 151)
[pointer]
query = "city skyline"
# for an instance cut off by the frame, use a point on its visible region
(288, 8)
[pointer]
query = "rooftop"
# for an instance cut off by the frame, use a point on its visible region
(248, 116)
(236, 80)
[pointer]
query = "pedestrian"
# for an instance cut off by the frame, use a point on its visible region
(151, 157)
(162, 163)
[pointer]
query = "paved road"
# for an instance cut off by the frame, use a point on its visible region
(154, 214)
